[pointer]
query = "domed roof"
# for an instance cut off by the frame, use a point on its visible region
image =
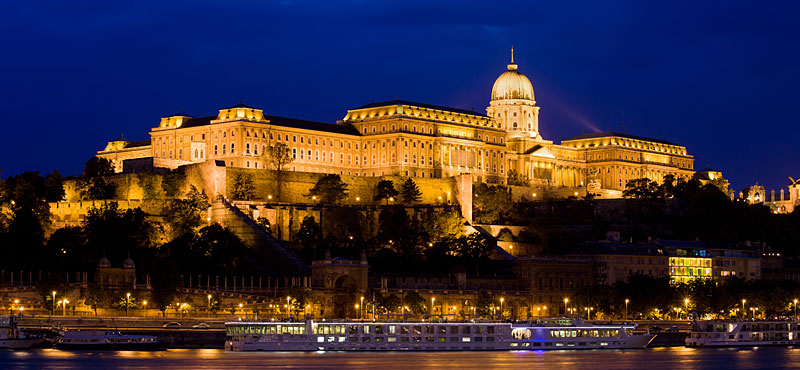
(104, 262)
(512, 84)
(128, 263)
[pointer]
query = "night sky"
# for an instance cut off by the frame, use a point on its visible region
(720, 79)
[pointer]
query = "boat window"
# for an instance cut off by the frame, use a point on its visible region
(478, 329)
(404, 329)
(490, 330)
(391, 339)
(392, 329)
(454, 329)
(353, 329)
(466, 339)
(379, 329)
(428, 329)
(442, 330)
(465, 330)
(417, 330)
(366, 329)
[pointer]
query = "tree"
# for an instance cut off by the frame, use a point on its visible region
(515, 178)
(309, 237)
(641, 188)
(54, 187)
(173, 182)
(108, 229)
(165, 282)
(482, 303)
(243, 186)
(409, 192)
(185, 215)
(491, 203)
(415, 303)
(147, 181)
(385, 190)
(329, 189)
(278, 156)
(97, 166)
(95, 296)
(96, 188)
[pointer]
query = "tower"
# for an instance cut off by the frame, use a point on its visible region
(513, 105)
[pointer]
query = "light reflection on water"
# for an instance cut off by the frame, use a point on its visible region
(183, 359)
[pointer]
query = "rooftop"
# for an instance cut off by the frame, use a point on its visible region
(285, 122)
(421, 105)
(595, 135)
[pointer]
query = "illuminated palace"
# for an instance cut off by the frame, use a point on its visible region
(416, 140)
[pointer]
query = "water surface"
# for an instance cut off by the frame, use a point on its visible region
(657, 358)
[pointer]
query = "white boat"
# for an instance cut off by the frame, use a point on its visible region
(721, 333)
(428, 336)
(11, 337)
(104, 339)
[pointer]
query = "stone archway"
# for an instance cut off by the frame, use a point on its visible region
(345, 288)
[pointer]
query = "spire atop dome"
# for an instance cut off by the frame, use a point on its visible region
(512, 66)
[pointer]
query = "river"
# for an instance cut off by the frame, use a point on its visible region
(654, 359)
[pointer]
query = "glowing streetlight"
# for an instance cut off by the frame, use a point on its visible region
(53, 311)
(64, 306)
(144, 307)
(795, 308)
(209, 302)
(127, 302)
(432, 309)
(566, 300)
(626, 308)
(686, 304)
(501, 307)
(361, 310)
(743, 311)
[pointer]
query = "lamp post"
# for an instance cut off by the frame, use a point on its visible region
(795, 309)
(566, 300)
(64, 306)
(53, 311)
(743, 311)
(288, 306)
(361, 309)
(501, 307)
(209, 302)
(127, 303)
(433, 310)
(686, 305)
(144, 307)
(626, 308)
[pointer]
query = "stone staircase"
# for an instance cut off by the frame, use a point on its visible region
(267, 251)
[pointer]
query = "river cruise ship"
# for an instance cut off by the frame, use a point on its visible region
(743, 333)
(103, 339)
(11, 337)
(428, 336)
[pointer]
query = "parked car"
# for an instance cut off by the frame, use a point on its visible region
(201, 325)
(172, 324)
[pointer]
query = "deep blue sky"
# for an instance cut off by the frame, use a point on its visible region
(720, 79)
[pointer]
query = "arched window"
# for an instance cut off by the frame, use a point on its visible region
(223, 149)
(233, 150)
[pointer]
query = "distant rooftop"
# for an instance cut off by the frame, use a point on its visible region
(285, 122)
(595, 135)
(421, 105)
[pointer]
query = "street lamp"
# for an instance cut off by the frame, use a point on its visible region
(53, 311)
(686, 304)
(626, 308)
(433, 310)
(64, 306)
(501, 307)
(288, 306)
(743, 311)
(209, 302)
(361, 309)
(795, 308)
(144, 307)
(127, 303)
(566, 300)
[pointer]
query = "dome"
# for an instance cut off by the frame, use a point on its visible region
(512, 84)
(104, 262)
(128, 263)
